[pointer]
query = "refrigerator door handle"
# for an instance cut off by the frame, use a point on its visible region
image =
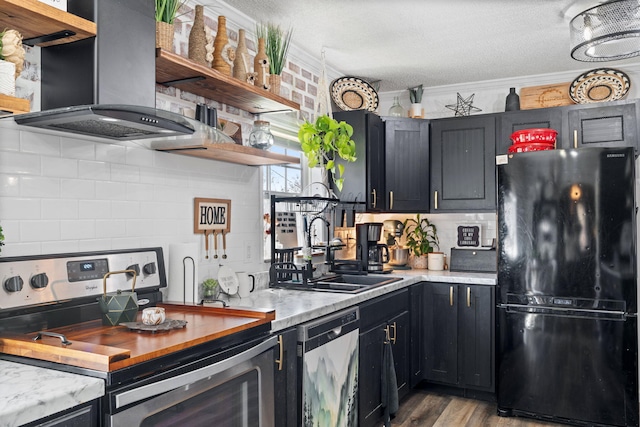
(572, 312)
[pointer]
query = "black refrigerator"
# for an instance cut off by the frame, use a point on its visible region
(566, 314)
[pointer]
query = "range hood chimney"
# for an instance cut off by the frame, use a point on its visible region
(105, 86)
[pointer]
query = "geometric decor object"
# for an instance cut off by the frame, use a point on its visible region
(464, 106)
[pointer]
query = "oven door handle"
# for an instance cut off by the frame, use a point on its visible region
(141, 393)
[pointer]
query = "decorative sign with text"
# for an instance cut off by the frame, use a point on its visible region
(469, 236)
(211, 215)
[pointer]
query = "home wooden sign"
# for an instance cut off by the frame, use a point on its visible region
(211, 215)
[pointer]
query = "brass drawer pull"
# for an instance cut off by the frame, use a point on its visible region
(280, 360)
(451, 296)
(468, 296)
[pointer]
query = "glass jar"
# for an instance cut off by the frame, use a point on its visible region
(261, 136)
(396, 109)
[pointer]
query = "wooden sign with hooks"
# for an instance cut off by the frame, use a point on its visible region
(211, 215)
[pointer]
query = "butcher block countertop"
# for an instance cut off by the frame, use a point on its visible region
(109, 348)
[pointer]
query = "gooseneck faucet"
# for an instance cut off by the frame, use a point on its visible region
(308, 250)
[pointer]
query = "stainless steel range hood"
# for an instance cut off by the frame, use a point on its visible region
(105, 87)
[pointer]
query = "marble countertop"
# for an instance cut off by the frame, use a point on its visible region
(29, 393)
(296, 307)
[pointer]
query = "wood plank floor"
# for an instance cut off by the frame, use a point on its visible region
(426, 408)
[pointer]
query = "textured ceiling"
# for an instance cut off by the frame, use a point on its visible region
(403, 43)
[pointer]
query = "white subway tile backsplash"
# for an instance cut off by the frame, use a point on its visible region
(19, 208)
(77, 149)
(94, 209)
(77, 188)
(94, 170)
(40, 143)
(78, 229)
(9, 185)
(37, 186)
(39, 230)
(125, 209)
(90, 245)
(139, 227)
(139, 156)
(109, 190)
(9, 139)
(59, 167)
(59, 208)
(140, 192)
(111, 153)
(22, 163)
(59, 247)
(125, 173)
(111, 228)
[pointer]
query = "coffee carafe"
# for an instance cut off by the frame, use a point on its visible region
(372, 255)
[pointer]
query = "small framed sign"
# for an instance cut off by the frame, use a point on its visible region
(469, 236)
(211, 215)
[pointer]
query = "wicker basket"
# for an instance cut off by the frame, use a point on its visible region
(274, 83)
(164, 36)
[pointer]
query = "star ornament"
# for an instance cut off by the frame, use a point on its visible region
(464, 106)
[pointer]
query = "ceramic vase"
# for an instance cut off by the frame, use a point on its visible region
(512, 101)
(415, 110)
(435, 261)
(164, 36)
(223, 52)
(241, 63)
(7, 78)
(261, 66)
(274, 83)
(198, 38)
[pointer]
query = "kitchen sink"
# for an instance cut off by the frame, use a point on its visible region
(343, 283)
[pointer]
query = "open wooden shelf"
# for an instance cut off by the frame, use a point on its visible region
(13, 105)
(174, 70)
(234, 153)
(36, 19)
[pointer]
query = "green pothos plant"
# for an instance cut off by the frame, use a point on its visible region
(422, 236)
(326, 140)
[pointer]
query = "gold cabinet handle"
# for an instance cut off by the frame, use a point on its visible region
(451, 296)
(280, 360)
(468, 296)
(395, 333)
(387, 335)
(375, 198)
(435, 199)
(575, 138)
(390, 199)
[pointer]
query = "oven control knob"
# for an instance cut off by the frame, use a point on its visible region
(13, 284)
(134, 267)
(149, 268)
(39, 281)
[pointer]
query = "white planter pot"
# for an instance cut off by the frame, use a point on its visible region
(436, 261)
(415, 110)
(7, 78)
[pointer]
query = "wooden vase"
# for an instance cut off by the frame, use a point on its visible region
(274, 83)
(198, 38)
(223, 52)
(261, 66)
(164, 36)
(241, 63)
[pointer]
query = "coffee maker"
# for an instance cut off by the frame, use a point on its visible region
(372, 255)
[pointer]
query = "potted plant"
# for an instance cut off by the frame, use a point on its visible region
(1, 239)
(326, 140)
(415, 95)
(422, 239)
(11, 60)
(209, 288)
(166, 12)
(277, 42)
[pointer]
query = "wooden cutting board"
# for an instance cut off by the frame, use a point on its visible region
(109, 348)
(554, 95)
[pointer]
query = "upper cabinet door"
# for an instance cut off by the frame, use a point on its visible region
(509, 122)
(611, 125)
(463, 153)
(407, 165)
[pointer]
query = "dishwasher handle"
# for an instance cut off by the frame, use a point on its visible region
(334, 333)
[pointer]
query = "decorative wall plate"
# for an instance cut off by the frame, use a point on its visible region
(599, 85)
(352, 93)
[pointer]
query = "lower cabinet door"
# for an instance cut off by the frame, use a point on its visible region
(476, 336)
(399, 330)
(369, 375)
(285, 378)
(441, 333)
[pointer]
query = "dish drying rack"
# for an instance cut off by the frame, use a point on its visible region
(283, 268)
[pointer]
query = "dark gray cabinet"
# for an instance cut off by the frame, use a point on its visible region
(463, 174)
(509, 122)
(364, 178)
(406, 165)
(614, 124)
(85, 415)
(286, 380)
(459, 335)
(383, 319)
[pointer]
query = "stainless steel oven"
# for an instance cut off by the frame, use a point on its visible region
(234, 391)
(214, 378)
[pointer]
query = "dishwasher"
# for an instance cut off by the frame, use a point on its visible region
(328, 369)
